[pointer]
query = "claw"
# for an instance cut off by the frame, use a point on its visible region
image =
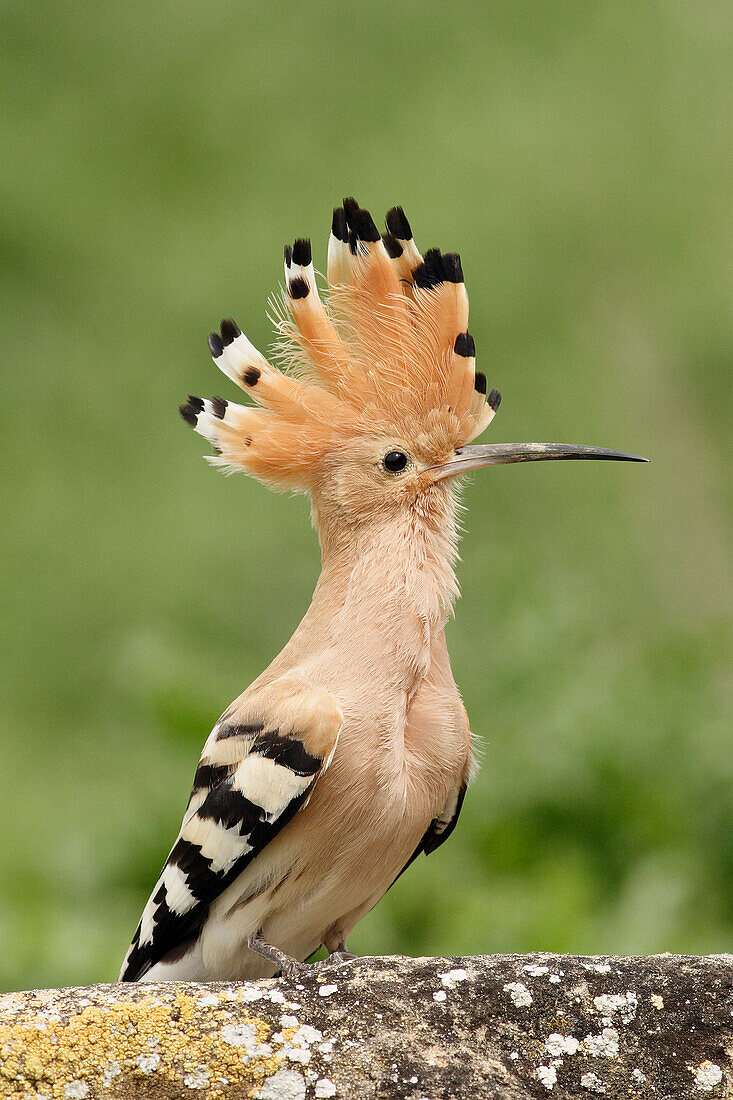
(339, 956)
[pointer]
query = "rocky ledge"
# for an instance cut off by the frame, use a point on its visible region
(503, 1027)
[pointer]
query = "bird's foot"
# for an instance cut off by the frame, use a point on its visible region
(340, 955)
(288, 966)
(293, 968)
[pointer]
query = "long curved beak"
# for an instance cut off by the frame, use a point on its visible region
(499, 454)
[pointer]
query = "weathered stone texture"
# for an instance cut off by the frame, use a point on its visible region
(501, 1027)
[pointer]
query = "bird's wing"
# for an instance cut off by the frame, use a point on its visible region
(257, 769)
(441, 827)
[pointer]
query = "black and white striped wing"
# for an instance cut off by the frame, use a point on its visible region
(235, 809)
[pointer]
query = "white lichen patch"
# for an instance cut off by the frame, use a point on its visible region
(623, 1005)
(10, 1002)
(707, 1075)
(113, 1070)
(327, 990)
(245, 1036)
(76, 1090)
(308, 1034)
(520, 995)
(604, 1045)
(294, 1043)
(209, 1000)
(657, 1000)
(298, 1054)
(557, 1044)
(286, 1084)
(547, 1076)
(250, 993)
(324, 1089)
(536, 970)
(440, 995)
(148, 1063)
(197, 1079)
(39, 1024)
(554, 978)
(452, 977)
(638, 1076)
(592, 1082)
(598, 968)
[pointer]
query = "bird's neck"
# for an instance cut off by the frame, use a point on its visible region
(386, 587)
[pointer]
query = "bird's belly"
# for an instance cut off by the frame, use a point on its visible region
(312, 883)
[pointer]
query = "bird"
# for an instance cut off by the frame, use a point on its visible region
(351, 754)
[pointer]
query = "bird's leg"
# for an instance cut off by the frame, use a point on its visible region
(289, 966)
(334, 940)
(340, 955)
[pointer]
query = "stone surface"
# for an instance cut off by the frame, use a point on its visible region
(502, 1027)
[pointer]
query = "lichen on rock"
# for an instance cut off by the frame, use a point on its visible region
(509, 1027)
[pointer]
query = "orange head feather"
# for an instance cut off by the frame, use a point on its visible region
(384, 364)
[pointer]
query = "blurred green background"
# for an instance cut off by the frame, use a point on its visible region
(154, 160)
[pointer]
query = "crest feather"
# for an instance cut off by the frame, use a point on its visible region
(388, 351)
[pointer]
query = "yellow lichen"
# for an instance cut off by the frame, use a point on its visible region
(51, 1053)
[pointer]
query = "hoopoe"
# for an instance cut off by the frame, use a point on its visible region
(350, 755)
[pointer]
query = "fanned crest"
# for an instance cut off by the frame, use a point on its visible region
(387, 351)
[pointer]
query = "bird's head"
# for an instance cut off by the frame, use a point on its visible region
(379, 400)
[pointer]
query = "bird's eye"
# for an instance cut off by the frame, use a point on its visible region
(395, 461)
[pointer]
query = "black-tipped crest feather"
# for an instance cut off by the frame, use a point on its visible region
(301, 252)
(363, 225)
(392, 245)
(230, 330)
(464, 345)
(398, 224)
(339, 225)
